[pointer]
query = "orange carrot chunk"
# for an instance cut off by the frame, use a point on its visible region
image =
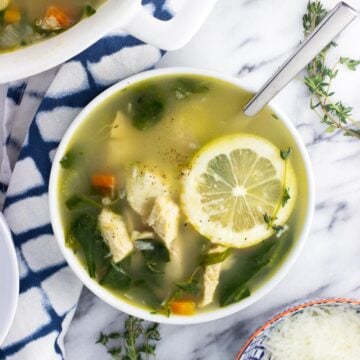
(183, 307)
(12, 15)
(56, 18)
(105, 181)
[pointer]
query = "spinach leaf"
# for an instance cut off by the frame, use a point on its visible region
(233, 283)
(153, 268)
(184, 87)
(89, 11)
(153, 250)
(190, 287)
(142, 290)
(68, 160)
(116, 277)
(84, 230)
(155, 255)
(148, 109)
(238, 294)
(277, 252)
(76, 202)
(214, 258)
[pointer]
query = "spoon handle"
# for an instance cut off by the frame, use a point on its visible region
(341, 16)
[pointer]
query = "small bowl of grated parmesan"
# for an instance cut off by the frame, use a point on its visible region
(327, 329)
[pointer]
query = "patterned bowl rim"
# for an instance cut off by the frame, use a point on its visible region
(289, 311)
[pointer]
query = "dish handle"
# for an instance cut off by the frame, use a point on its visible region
(171, 34)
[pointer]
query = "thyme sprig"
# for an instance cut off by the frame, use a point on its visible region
(137, 342)
(319, 79)
(285, 155)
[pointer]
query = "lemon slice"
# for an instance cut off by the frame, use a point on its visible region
(232, 183)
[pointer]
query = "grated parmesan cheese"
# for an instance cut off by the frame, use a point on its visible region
(316, 333)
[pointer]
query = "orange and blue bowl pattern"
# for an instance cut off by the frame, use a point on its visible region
(254, 348)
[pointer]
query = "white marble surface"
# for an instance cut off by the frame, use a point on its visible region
(250, 39)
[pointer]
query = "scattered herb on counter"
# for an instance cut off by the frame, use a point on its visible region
(137, 342)
(334, 113)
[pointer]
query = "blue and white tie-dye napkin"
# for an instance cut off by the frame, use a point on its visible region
(37, 113)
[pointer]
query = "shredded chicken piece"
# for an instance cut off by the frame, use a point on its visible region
(164, 219)
(114, 232)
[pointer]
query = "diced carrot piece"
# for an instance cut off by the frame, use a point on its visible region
(60, 17)
(105, 181)
(183, 307)
(12, 15)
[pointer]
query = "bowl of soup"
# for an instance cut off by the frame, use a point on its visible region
(38, 35)
(171, 205)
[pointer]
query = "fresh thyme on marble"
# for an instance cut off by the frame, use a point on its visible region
(137, 342)
(334, 113)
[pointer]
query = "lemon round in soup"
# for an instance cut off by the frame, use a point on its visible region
(233, 183)
(175, 201)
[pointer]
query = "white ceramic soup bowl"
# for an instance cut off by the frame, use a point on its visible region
(125, 306)
(128, 15)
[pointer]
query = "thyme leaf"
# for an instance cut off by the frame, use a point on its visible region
(335, 114)
(286, 197)
(136, 342)
(285, 154)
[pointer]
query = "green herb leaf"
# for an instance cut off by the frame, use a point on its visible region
(285, 154)
(68, 160)
(350, 63)
(286, 197)
(114, 335)
(138, 339)
(89, 10)
(153, 268)
(114, 351)
(152, 250)
(233, 284)
(238, 294)
(148, 109)
(152, 332)
(277, 228)
(214, 258)
(76, 202)
(116, 277)
(190, 287)
(268, 219)
(103, 339)
(184, 87)
(319, 78)
(85, 231)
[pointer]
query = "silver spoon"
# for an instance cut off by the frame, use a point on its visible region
(341, 16)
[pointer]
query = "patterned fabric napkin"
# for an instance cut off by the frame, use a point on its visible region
(49, 291)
